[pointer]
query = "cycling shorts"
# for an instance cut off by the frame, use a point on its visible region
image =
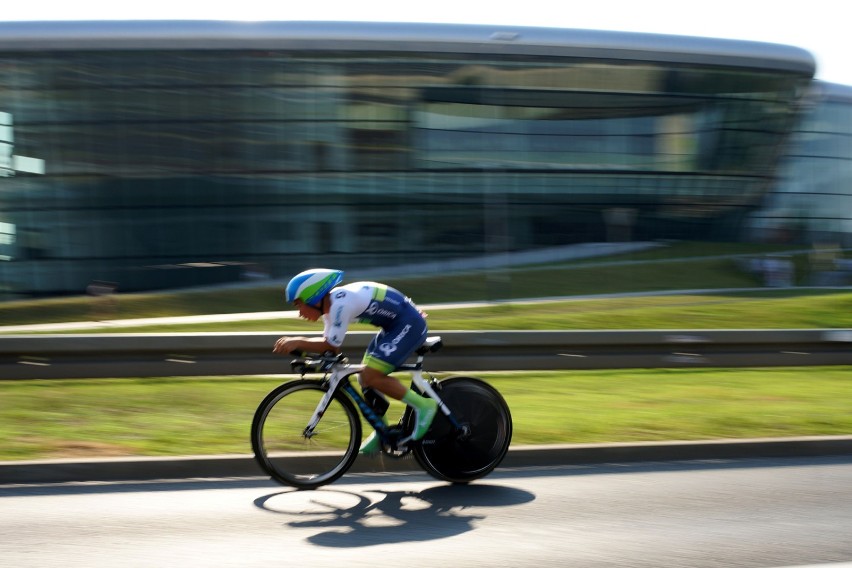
(392, 346)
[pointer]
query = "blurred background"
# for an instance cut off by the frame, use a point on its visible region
(145, 156)
(190, 168)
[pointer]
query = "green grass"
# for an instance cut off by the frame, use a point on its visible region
(677, 266)
(179, 416)
(197, 416)
(764, 310)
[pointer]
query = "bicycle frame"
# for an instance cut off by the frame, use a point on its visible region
(466, 442)
(341, 371)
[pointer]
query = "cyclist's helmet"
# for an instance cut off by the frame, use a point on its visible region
(311, 285)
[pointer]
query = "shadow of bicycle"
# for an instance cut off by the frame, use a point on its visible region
(373, 517)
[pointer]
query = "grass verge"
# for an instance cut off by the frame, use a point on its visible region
(675, 266)
(198, 416)
(756, 310)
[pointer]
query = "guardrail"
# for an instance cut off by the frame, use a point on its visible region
(213, 354)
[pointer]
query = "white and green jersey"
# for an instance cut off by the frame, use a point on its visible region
(403, 325)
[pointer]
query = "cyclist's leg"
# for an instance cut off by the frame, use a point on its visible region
(387, 351)
(424, 408)
(373, 442)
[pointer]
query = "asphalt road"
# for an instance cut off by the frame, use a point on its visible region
(710, 513)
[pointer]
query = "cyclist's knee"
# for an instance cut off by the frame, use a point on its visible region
(371, 377)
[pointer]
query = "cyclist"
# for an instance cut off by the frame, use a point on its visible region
(316, 293)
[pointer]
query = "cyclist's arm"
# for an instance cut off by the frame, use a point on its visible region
(304, 344)
(345, 307)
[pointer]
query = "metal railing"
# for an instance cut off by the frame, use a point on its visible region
(214, 354)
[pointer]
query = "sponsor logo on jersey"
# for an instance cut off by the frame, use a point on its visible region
(374, 310)
(389, 347)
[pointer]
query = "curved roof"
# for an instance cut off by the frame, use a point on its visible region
(387, 36)
(833, 92)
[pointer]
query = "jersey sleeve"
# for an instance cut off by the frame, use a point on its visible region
(343, 312)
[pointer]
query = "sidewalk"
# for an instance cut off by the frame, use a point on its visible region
(140, 322)
(208, 318)
(244, 466)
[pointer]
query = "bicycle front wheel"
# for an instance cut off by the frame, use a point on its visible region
(291, 456)
(460, 456)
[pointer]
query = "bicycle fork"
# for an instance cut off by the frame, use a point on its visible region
(341, 381)
(322, 406)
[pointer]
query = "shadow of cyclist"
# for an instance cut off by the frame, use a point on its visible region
(386, 517)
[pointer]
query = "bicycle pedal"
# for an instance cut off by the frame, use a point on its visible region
(397, 453)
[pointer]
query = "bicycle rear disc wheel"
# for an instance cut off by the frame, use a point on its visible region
(460, 457)
(291, 457)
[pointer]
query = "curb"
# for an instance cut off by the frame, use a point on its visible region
(241, 466)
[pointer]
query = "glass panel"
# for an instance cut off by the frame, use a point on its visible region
(159, 165)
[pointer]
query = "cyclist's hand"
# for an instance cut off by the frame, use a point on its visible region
(285, 345)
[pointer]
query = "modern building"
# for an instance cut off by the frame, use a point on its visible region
(164, 154)
(812, 199)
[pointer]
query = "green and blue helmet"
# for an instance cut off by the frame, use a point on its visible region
(311, 285)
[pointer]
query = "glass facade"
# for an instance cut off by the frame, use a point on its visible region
(168, 168)
(812, 201)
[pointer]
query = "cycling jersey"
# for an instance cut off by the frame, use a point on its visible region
(403, 325)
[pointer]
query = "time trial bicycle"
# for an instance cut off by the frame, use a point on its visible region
(307, 432)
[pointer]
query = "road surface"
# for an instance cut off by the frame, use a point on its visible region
(722, 513)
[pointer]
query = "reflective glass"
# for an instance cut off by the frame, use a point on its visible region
(119, 164)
